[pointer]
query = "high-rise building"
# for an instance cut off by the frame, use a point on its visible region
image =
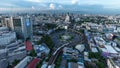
(1, 21)
(27, 27)
(67, 19)
(4, 21)
(22, 26)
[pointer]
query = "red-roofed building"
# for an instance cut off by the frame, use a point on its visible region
(28, 45)
(33, 63)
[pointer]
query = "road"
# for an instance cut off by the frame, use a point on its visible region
(56, 53)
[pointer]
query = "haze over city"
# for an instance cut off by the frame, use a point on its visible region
(60, 34)
(92, 6)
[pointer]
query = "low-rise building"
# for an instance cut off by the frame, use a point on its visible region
(74, 65)
(44, 65)
(3, 53)
(3, 63)
(80, 47)
(28, 45)
(36, 38)
(33, 63)
(6, 37)
(86, 56)
(70, 53)
(94, 49)
(113, 63)
(99, 41)
(12, 51)
(24, 62)
(41, 49)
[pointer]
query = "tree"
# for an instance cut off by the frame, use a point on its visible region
(100, 65)
(32, 53)
(38, 66)
(95, 55)
(51, 26)
(47, 39)
(58, 61)
(15, 62)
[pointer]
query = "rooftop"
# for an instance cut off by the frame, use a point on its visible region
(41, 48)
(28, 45)
(110, 49)
(33, 63)
(6, 33)
(24, 62)
(3, 28)
(94, 50)
(72, 65)
(115, 61)
(3, 51)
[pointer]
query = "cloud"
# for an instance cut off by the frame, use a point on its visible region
(74, 5)
(60, 7)
(33, 7)
(74, 2)
(52, 6)
(34, 0)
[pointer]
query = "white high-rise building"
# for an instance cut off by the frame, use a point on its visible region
(67, 19)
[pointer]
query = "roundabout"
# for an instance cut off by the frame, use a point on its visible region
(66, 37)
(62, 36)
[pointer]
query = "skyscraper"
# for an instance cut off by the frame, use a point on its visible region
(67, 19)
(27, 27)
(22, 25)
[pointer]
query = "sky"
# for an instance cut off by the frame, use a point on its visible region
(83, 5)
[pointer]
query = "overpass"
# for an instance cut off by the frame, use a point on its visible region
(56, 53)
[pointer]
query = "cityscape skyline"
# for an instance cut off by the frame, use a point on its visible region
(101, 6)
(60, 34)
